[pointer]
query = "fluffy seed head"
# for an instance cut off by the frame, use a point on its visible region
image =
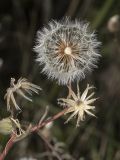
(67, 50)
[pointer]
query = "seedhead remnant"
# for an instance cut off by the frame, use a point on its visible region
(79, 105)
(22, 85)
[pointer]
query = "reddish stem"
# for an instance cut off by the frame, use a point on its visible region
(35, 128)
(8, 146)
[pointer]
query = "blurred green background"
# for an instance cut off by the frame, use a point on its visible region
(96, 138)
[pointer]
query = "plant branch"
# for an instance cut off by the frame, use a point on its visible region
(35, 128)
(56, 116)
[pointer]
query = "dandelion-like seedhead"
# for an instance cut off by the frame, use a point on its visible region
(67, 50)
(79, 105)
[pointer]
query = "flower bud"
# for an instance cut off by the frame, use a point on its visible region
(114, 24)
(6, 126)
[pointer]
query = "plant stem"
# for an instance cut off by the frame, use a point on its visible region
(102, 13)
(35, 128)
(8, 146)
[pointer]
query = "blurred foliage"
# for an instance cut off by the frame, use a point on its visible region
(96, 139)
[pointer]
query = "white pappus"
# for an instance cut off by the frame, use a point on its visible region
(67, 50)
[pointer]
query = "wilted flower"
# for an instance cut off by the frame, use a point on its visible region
(79, 105)
(22, 85)
(67, 50)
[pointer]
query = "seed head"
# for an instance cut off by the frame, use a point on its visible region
(79, 105)
(67, 50)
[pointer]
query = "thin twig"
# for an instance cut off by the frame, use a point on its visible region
(44, 123)
(44, 115)
(50, 146)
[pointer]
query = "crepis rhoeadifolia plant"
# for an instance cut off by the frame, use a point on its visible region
(67, 50)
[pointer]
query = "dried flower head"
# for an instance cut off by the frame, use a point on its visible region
(21, 86)
(67, 50)
(79, 105)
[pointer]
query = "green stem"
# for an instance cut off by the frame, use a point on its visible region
(102, 13)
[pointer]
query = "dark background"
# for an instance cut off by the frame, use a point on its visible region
(97, 138)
